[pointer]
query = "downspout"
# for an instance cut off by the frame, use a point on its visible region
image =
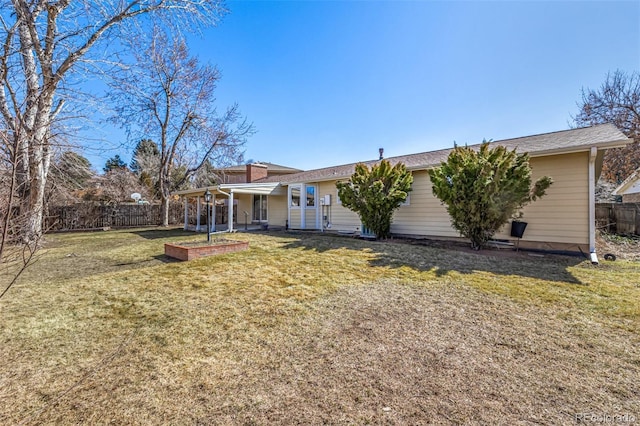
(592, 205)
(230, 212)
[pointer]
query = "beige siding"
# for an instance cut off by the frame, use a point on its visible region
(245, 204)
(294, 222)
(277, 214)
(310, 218)
(424, 215)
(341, 219)
(561, 216)
(631, 198)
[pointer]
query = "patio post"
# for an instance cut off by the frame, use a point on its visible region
(186, 212)
(198, 216)
(213, 213)
(230, 212)
(207, 199)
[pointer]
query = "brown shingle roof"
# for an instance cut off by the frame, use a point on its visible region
(573, 140)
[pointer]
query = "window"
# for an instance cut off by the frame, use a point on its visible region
(259, 208)
(407, 202)
(295, 196)
(311, 196)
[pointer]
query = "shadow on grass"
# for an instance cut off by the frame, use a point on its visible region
(159, 233)
(442, 258)
(166, 259)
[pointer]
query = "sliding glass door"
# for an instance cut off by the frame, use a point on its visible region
(260, 208)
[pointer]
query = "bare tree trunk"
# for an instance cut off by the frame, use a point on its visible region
(41, 42)
(165, 196)
(165, 211)
(34, 136)
(15, 254)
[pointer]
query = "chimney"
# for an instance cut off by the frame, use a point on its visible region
(256, 171)
(381, 151)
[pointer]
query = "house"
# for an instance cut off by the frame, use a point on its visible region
(562, 220)
(629, 189)
(259, 170)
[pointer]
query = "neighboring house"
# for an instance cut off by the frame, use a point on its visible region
(564, 219)
(260, 170)
(630, 188)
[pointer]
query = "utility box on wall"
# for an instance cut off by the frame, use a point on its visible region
(325, 200)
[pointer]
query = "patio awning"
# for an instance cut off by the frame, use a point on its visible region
(239, 188)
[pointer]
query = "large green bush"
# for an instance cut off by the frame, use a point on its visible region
(483, 189)
(374, 194)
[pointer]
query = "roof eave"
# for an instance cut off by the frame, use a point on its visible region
(582, 148)
(627, 183)
(260, 188)
(542, 153)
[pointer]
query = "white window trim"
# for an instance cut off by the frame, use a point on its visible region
(315, 197)
(291, 187)
(253, 205)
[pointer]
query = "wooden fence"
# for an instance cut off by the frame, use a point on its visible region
(92, 216)
(619, 218)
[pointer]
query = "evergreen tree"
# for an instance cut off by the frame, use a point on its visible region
(146, 155)
(113, 163)
(483, 189)
(71, 170)
(374, 194)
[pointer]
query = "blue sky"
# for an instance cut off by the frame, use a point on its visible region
(330, 82)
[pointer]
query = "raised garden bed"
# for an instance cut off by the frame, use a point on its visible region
(194, 250)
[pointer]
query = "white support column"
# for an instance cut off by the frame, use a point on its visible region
(303, 206)
(288, 208)
(186, 212)
(230, 212)
(198, 216)
(592, 204)
(213, 213)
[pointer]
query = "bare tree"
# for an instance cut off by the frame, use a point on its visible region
(617, 101)
(115, 186)
(15, 253)
(145, 163)
(43, 44)
(70, 174)
(169, 96)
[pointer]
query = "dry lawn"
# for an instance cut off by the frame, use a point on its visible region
(313, 329)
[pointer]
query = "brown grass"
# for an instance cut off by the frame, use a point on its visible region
(623, 247)
(315, 329)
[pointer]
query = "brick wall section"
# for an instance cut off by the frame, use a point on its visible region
(256, 171)
(631, 198)
(189, 253)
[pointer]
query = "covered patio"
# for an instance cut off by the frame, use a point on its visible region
(247, 206)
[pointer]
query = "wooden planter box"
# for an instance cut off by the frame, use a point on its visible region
(186, 251)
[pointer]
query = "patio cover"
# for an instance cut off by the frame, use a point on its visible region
(239, 188)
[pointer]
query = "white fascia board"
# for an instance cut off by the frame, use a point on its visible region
(196, 191)
(254, 188)
(629, 183)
